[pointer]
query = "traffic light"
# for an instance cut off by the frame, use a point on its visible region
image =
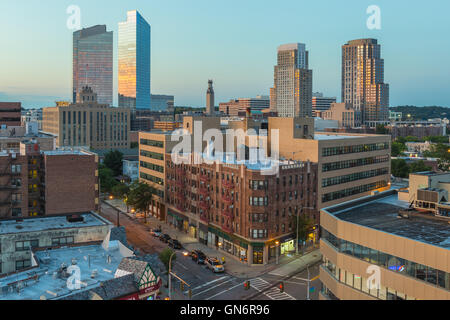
(181, 286)
(281, 286)
(247, 285)
(190, 294)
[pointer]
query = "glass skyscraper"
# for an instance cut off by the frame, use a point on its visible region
(134, 62)
(93, 62)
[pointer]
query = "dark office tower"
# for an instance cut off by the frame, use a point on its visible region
(93, 62)
(363, 84)
(134, 62)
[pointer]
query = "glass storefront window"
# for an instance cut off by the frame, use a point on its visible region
(258, 255)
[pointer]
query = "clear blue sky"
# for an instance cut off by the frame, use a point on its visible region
(233, 42)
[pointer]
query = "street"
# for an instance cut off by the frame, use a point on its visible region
(203, 283)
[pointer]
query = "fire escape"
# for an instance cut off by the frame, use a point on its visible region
(180, 184)
(228, 200)
(204, 200)
(8, 186)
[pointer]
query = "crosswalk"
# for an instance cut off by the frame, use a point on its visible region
(273, 293)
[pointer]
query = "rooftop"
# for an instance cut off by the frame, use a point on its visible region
(47, 223)
(381, 213)
(333, 136)
(48, 280)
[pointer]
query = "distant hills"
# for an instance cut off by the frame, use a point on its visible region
(423, 113)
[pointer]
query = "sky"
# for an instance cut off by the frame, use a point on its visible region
(233, 42)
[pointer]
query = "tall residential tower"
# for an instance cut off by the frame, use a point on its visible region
(93, 62)
(363, 84)
(134, 62)
(291, 95)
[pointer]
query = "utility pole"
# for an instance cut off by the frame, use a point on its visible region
(296, 247)
(170, 273)
(307, 292)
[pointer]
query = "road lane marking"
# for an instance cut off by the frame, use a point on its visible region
(208, 283)
(212, 287)
(218, 294)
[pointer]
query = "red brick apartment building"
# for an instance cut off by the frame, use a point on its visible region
(10, 114)
(35, 183)
(236, 208)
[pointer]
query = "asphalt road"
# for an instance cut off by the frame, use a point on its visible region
(206, 285)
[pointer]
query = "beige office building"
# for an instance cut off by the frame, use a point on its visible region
(291, 95)
(88, 123)
(363, 85)
(378, 248)
(344, 114)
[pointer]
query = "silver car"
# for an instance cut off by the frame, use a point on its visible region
(214, 265)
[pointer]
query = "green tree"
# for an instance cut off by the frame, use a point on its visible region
(113, 160)
(120, 190)
(140, 197)
(399, 168)
(418, 166)
(106, 177)
(134, 145)
(305, 225)
(381, 129)
(397, 149)
(165, 255)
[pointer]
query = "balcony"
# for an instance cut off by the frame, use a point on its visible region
(228, 184)
(203, 191)
(227, 228)
(228, 213)
(204, 205)
(227, 199)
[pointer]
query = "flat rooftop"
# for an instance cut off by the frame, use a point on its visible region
(382, 214)
(51, 284)
(49, 223)
(333, 136)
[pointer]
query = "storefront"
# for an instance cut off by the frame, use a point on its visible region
(203, 234)
(192, 231)
(177, 220)
(258, 253)
(230, 244)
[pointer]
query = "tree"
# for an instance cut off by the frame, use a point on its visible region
(418, 166)
(134, 145)
(106, 177)
(381, 129)
(120, 190)
(397, 149)
(305, 225)
(113, 160)
(399, 168)
(140, 197)
(165, 255)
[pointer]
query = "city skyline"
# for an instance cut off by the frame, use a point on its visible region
(183, 61)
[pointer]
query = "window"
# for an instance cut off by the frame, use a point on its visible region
(62, 241)
(26, 245)
(22, 264)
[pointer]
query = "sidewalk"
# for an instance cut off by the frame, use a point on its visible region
(287, 264)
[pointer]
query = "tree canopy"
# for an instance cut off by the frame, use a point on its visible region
(113, 160)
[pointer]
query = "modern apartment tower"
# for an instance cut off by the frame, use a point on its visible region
(134, 62)
(93, 62)
(291, 95)
(210, 98)
(363, 84)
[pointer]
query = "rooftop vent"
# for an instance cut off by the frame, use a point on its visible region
(75, 218)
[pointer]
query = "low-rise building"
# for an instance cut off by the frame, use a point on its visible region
(375, 248)
(131, 169)
(10, 114)
(35, 183)
(345, 114)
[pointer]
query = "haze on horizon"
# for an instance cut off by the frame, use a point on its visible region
(232, 42)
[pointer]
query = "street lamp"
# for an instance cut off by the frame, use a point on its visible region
(276, 249)
(170, 277)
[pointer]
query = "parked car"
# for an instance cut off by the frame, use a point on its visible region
(164, 238)
(155, 232)
(174, 244)
(198, 256)
(214, 265)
